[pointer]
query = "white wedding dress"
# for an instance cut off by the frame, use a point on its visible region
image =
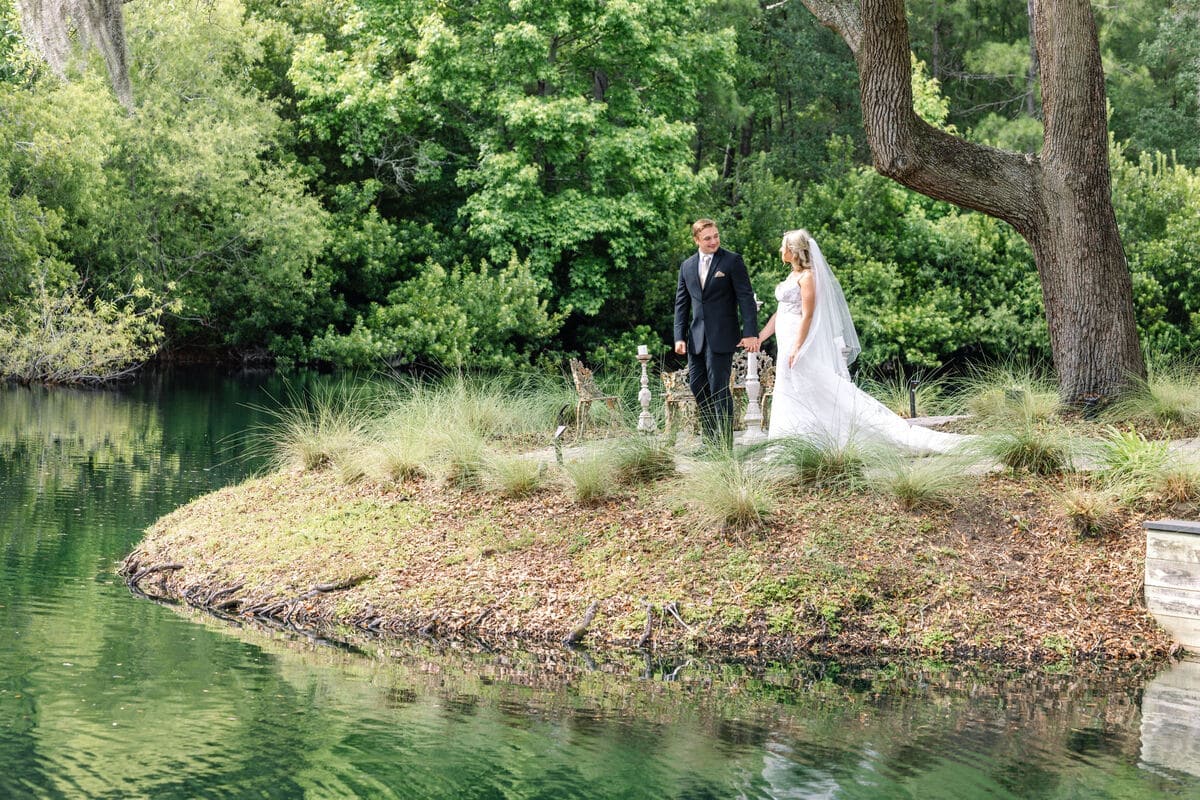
(815, 397)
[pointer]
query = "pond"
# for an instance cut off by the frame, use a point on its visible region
(106, 695)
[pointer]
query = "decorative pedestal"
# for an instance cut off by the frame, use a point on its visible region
(754, 417)
(646, 423)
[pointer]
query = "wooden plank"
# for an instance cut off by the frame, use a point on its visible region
(1179, 547)
(1171, 719)
(1176, 525)
(1172, 574)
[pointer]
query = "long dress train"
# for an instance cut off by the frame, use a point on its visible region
(815, 398)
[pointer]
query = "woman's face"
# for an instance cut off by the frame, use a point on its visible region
(783, 253)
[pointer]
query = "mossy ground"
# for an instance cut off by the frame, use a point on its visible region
(998, 574)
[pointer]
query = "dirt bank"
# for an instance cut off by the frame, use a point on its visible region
(997, 575)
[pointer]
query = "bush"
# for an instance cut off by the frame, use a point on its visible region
(61, 336)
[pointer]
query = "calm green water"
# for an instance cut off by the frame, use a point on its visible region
(106, 695)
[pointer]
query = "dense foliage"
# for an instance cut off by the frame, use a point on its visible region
(363, 182)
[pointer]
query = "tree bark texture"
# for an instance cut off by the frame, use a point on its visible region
(1059, 201)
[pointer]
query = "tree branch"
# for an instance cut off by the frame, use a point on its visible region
(906, 148)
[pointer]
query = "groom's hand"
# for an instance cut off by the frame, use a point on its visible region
(750, 343)
(681, 348)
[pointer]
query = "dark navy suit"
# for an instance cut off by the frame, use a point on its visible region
(707, 320)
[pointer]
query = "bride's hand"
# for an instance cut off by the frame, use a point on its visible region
(792, 358)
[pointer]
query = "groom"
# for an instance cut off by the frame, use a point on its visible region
(713, 286)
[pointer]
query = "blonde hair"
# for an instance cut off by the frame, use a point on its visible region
(700, 225)
(796, 243)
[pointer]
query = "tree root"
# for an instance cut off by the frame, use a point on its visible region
(645, 641)
(577, 633)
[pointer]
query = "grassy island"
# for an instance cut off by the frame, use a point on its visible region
(1027, 550)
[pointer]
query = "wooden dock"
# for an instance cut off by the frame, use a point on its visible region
(1173, 578)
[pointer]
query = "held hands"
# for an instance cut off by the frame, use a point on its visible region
(750, 343)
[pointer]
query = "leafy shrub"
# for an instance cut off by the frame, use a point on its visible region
(481, 318)
(61, 336)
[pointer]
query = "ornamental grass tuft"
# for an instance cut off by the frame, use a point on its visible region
(737, 495)
(915, 482)
(642, 459)
(592, 478)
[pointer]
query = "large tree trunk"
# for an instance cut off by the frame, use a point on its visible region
(1059, 201)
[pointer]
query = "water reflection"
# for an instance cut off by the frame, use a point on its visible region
(1171, 720)
(103, 695)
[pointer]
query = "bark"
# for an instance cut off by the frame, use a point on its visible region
(1060, 202)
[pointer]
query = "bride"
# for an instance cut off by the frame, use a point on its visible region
(814, 396)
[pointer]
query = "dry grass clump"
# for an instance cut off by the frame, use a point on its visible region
(592, 478)
(734, 494)
(1004, 394)
(1093, 507)
(916, 483)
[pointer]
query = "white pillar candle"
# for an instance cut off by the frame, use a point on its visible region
(643, 350)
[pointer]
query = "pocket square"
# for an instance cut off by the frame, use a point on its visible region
(719, 274)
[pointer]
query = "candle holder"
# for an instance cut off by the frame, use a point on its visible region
(646, 423)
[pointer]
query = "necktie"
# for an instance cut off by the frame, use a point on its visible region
(704, 262)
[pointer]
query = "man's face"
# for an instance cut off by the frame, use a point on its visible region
(708, 240)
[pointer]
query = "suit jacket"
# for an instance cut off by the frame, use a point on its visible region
(713, 310)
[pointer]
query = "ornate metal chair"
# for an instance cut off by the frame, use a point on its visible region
(677, 398)
(587, 391)
(737, 386)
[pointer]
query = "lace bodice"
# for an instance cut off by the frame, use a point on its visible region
(787, 292)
